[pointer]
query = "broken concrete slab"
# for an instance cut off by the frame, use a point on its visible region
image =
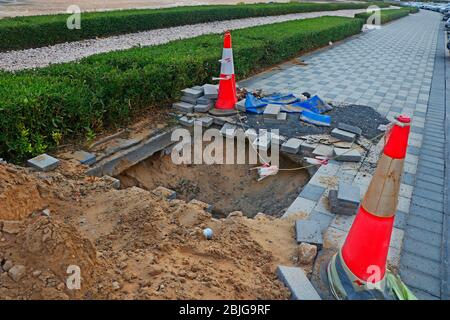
(183, 106)
(84, 157)
(210, 91)
(272, 111)
(186, 121)
(43, 162)
(165, 193)
(298, 283)
(291, 146)
(228, 130)
(348, 193)
(323, 150)
(347, 155)
(349, 128)
(195, 92)
(343, 135)
(308, 231)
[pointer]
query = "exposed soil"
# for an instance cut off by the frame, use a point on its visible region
(130, 243)
(227, 188)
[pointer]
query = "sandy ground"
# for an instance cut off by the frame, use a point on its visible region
(130, 243)
(34, 7)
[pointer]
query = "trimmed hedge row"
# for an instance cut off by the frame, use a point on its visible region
(39, 108)
(386, 15)
(37, 31)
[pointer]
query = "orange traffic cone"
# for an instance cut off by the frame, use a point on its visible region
(227, 98)
(358, 271)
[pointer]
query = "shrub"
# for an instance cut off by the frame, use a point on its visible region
(78, 99)
(37, 31)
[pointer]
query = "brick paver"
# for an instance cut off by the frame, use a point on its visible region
(397, 69)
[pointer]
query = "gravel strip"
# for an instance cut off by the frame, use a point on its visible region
(72, 51)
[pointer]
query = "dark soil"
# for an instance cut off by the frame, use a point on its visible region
(363, 117)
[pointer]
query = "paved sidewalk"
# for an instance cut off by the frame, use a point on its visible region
(392, 70)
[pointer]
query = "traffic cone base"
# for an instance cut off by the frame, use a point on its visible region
(345, 285)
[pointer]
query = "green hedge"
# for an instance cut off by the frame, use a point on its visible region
(38, 31)
(40, 108)
(386, 15)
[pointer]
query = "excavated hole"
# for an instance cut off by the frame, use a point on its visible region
(226, 187)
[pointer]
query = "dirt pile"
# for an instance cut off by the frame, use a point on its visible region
(132, 244)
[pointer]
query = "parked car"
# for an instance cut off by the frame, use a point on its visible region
(446, 16)
(447, 25)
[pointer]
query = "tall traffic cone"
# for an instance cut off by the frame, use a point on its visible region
(358, 270)
(227, 98)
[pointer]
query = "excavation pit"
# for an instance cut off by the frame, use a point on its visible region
(227, 187)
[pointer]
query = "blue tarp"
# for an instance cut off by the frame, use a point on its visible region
(253, 104)
(314, 104)
(315, 118)
(278, 98)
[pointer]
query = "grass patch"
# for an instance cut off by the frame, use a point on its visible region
(37, 31)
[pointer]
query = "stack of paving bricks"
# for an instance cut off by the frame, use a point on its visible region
(345, 200)
(197, 99)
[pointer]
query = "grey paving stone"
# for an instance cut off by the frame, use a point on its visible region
(323, 150)
(430, 178)
(424, 236)
(418, 280)
(312, 192)
(308, 231)
(272, 111)
(202, 108)
(189, 99)
(408, 178)
(421, 249)
(427, 266)
(210, 91)
(425, 186)
(433, 215)
(349, 128)
(343, 135)
(422, 295)
(186, 121)
(298, 283)
(323, 219)
(307, 147)
(205, 122)
(205, 101)
(192, 93)
(426, 224)
(43, 162)
(183, 107)
(400, 220)
(427, 203)
(348, 194)
(228, 130)
(347, 155)
(241, 105)
(291, 146)
(427, 194)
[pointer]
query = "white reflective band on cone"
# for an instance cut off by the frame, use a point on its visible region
(227, 66)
